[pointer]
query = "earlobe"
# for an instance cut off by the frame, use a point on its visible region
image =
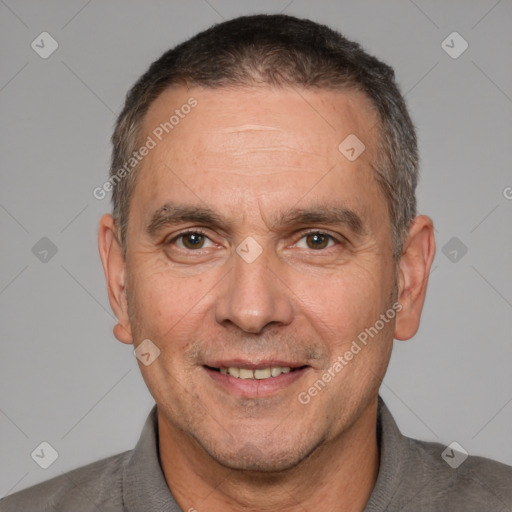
(122, 334)
(413, 273)
(113, 261)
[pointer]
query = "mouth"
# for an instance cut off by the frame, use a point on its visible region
(267, 372)
(255, 380)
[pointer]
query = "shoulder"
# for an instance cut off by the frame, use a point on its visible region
(97, 486)
(456, 481)
(422, 476)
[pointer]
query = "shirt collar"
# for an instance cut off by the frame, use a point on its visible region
(144, 485)
(393, 452)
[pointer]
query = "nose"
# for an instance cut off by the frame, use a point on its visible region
(253, 296)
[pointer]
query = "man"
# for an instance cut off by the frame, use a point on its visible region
(263, 252)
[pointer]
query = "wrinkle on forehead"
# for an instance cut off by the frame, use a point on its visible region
(247, 127)
(261, 164)
(263, 150)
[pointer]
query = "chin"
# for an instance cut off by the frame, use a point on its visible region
(262, 457)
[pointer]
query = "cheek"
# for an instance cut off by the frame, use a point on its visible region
(162, 304)
(343, 304)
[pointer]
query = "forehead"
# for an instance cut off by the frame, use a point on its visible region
(248, 117)
(240, 144)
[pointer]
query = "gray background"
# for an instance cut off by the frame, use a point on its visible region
(64, 378)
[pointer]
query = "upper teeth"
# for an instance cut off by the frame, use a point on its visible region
(260, 373)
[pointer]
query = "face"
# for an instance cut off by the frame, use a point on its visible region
(257, 253)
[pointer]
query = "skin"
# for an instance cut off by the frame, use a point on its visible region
(250, 154)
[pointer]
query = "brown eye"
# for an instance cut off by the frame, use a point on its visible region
(317, 240)
(192, 240)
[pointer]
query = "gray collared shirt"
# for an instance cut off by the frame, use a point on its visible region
(413, 477)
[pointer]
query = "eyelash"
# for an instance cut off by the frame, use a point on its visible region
(341, 241)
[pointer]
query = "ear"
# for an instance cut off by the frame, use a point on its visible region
(114, 265)
(413, 273)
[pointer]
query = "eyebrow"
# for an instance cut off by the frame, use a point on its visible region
(324, 214)
(172, 214)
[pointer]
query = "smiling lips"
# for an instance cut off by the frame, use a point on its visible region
(249, 380)
(255, 373)
(259, 373)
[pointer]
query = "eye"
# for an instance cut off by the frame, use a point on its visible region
(317, 240)
(191, 240)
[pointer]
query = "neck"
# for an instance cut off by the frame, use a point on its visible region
(340, 474)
